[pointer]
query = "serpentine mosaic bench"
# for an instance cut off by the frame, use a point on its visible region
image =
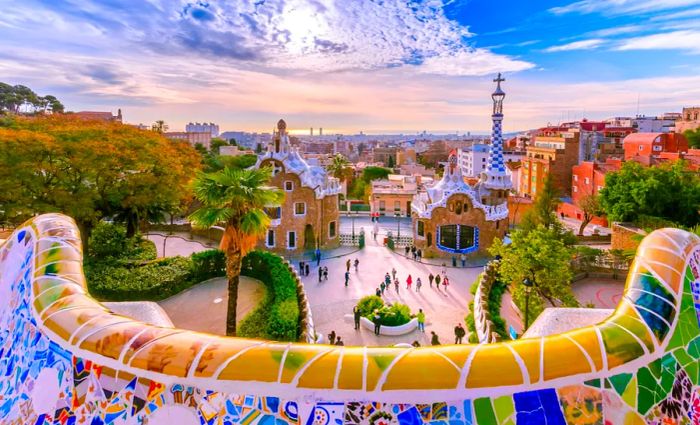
(66, 359)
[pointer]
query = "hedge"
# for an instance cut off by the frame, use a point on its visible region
(277, 315)
(396, 314)
(134, 280)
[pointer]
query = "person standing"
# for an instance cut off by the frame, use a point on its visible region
(437, 282)
(301, 268)
(396, 285)
(434, 339)
(339, 342)
(409, 281)
(406, 250)
(413, 251)
(420, 254)
(430, 279)
(393, 273)
(306, 268)
(387, 280)
(445, 282)
(347, 265)
(320, 273)
(357, 264)
(347, 277)
(418, 284)
(421, 320)
(331, 337)
(377, 322)
(382, 286)
(378, 292)
(325, 273)
(459, 333)
(463, 258)
(318, 256)
(356, 315)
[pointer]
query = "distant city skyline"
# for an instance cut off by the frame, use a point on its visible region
(357, 65)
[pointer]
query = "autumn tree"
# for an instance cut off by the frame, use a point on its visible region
(90, 170)
(16, 98)
(590, 206)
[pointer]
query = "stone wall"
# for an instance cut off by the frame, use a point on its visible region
(625, 236)
(67, 359)
(482, 317)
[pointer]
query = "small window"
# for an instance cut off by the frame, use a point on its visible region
(451, 206)
(641, 148)
(420, 228)
(657, 148)
(270, 240)
(575, 189)
(331, 229)
(483, 159)
(382, 205)
(274, 213)
(458, 207)
(587, 180)
(291, 240)
(289, 186)
(299, 208)
(575, 178)
(397, 205)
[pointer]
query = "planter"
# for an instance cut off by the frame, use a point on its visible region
(391, 330)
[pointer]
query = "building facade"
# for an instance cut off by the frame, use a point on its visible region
(452, 217)
(393, 196)
(552, 154)
(309, 216)
(205, 127)
(640, 146)
(202, 138)
(690, 119)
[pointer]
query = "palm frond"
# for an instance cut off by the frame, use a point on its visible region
(206, 216)
(255, 222)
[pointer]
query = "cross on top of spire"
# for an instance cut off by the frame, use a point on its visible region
(499, 79)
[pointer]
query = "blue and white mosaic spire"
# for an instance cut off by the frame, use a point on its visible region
(496, 174)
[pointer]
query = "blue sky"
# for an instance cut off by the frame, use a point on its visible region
(350, 65)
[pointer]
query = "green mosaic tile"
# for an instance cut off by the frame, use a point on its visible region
(620, 345)
(619, 382)
(651, 388)
(682, 357)
(593, 383)
(694, 348)
(483, 411)
(630, 394)
(505, 409)
(687, 323)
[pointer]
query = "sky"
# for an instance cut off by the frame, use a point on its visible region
(356, 65)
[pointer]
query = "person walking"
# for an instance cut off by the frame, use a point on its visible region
(356, 315)
(301, 267)
(406, 250)
(430, 279)
(378, 292)
(444, 268)
(445, 282)
(347, 277)
(409, 281)
(437, 282)
(382, 286)
(339, 342)
(325, 273)
(418, 284)
(377, 322)
(396, 285)
(331, 337)
(459, 333)
(454, 261)
(347, 265)
(306, 268)
(420, 254)
(318, 256)
(421, 320)
(320, 273)
(393, 273)
(463, 258)
(357, 264)
(434, 339)
(387, 280)
(413, 251)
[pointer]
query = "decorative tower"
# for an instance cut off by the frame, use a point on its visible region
(280, 141)
(496, 177)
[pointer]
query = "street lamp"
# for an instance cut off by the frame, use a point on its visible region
(398, 225)
(528, 287)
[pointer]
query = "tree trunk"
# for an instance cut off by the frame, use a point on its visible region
(586, 219)
(132, 224)
(85, 229)
(233, 273)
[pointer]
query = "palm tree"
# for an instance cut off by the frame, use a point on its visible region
(339, 167)
(235, 199)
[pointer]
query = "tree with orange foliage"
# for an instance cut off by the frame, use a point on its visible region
(237, 200)
(90, 170)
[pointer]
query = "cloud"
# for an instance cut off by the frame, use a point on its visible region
(676, 40)
(577, 45)
(627, 29)
(276, 35)
(617, 7)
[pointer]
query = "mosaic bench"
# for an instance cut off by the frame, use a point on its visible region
(67, 359)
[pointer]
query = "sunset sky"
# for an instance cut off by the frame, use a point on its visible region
(351, 65)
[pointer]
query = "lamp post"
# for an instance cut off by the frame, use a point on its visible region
(398, 225)
(528, 287)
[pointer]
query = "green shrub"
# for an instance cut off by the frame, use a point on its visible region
(151, 282)
(208, 264)
(108, 241)
(368, 304)
(395, 315)
(277, 315)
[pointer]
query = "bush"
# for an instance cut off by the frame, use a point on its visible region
(108, 241)
(208, 264)
(151, 282)
(277, 315)
(391, 315)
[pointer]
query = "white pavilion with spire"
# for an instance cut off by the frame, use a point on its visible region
(454, 217)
